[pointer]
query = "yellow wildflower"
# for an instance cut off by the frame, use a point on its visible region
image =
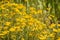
(55, 30)
(1, 34)
(39, 11)
(58, 29)
(14, 4)
(50, 18)
(33, 29)
(22, 38)
(17, 19)
(52, 35)
(45, 32)
(1, 27)
(41, 37)
(3, 7)
(18, 28)
(52, 25)
(8, 4)
(23, 24)
(20, 6)
(40, 27)
(22, 13)
(27, 16)
(22, 20)
(36, 28)
(52, 15)
(7, 23)
(12, 29)
(32, 8)
(5, 32)
(16, 10)
(58, 24)
(30, 23)
(33, 12)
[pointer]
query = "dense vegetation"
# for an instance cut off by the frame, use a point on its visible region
(29, 19)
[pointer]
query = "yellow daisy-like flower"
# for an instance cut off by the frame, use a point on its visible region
(39, 11)
(55, 30)
(8, 23)
(12, 29)
(52, 25)
(5, 32)
(32, 8)
(17, 19)
(20, 6)
(50, 18)
(41, 37)
(2, 34)
(52, 35)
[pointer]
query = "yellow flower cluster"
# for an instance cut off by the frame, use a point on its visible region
(17, 24)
